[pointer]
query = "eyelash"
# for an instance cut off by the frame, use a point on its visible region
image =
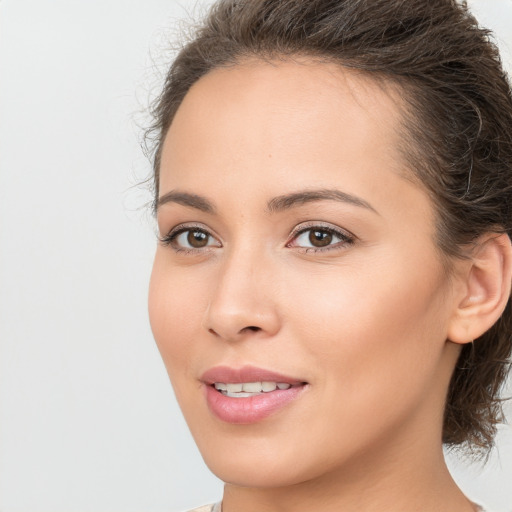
(170, 238)
(346, 238)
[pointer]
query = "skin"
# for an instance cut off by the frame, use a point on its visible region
(364, 323)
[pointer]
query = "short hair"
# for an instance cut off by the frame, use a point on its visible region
(457, 138)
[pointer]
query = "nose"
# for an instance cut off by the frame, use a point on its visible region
(244, 302)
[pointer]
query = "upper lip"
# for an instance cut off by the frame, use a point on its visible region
(227, 374)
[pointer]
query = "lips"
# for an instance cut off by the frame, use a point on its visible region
(248, 394)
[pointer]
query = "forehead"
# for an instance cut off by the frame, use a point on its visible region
(284, 106)
(274, 126)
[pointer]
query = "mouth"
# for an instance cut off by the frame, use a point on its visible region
(248, 394)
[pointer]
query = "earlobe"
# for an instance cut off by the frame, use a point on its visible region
(487, 284)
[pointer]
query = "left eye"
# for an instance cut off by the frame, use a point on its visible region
(320, 237)
(191, 238)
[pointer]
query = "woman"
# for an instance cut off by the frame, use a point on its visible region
(330, 293)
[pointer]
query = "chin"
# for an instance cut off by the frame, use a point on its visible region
(245, 472)
(265, 463)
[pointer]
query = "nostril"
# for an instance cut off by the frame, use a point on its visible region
(252, 328)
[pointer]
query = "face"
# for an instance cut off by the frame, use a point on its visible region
(298, 274)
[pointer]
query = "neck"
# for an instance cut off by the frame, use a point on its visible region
(404, 477)
(428, 487)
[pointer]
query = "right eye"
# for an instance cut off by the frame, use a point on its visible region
(190, 239)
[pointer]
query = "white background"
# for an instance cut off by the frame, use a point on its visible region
(88, 421)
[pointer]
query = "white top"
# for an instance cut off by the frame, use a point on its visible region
(216, 507)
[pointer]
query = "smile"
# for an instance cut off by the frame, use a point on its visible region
(248, 395)
(248, 389)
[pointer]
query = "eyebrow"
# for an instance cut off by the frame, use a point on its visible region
(288, 201)
(186, 199)
(277, 204)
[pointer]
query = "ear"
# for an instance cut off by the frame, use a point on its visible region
(486, 282)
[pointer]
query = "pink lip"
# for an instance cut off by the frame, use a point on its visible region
(245, 374)
(249, 409)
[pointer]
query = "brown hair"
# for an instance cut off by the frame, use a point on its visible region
(458, 130)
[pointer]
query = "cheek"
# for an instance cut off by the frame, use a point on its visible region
(374, 327)
(176, 305)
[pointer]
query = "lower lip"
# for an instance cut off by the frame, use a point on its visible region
(249, 409)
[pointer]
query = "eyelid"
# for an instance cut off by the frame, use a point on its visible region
(168, 239)
(346, 236)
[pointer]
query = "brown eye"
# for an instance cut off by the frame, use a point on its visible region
(197, 239)
(191, 238)
(320, 238)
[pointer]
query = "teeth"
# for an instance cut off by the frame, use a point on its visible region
(245, 389)
(268, 386)
(252, 387)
